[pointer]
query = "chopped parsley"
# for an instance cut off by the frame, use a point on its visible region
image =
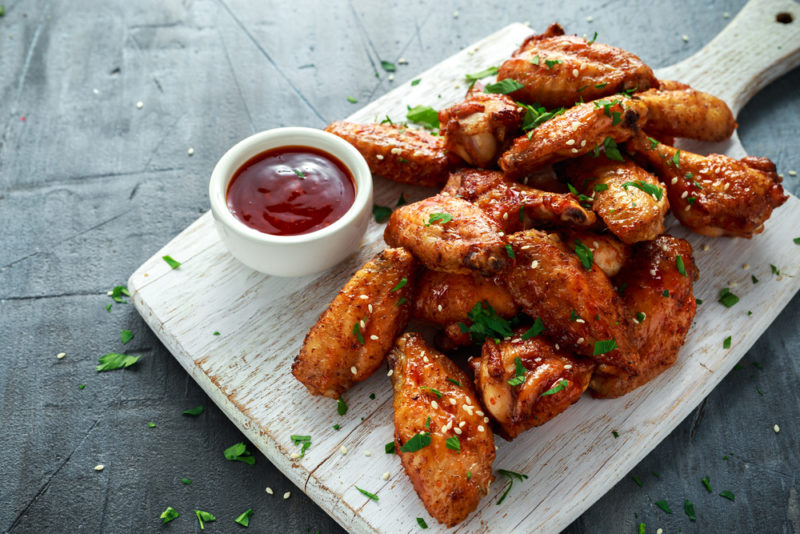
(337, 426)
(417, 442)
(341, 406)
(168, 515)
(511, 475)
(612, 150)
(616, 118)
(381, 213)
(300, 174)
(402, 301)
(650, 189)
(726, 344)
(665, 293)
(503, 87)
(551, 62)
(754, 279)
(108, 307)
(117, 294)
(204, 516)
(726, 298)
(728, 495)
(357, 332)
(400, 285)
(239, 453)
(688, 508)
(676, 159)
(372, 396)
(680, 265)
(600, 85)
(453, 444)
(491, 71)
(664, 506)
(303, 441)
(244, 517)
(367, 494)
(594, 38)
(415, 82)
(560, 386)
(469, 475)
(454, 381)
(486, 323)
(422, 524)
(536, 115)
(642, 527)
(193, 411)
(428, 422)
(707, 482)
(535, 60)
(640, 317)
(637, 480)
(796, 240)
(171, 262)
(423, 115)
(519, 377)
(352, 100)
(584, 254)
(775, 270)
(186, 481)
(615, 434)
(436, 217)
(401, 201)
(653, 143)
(126, 335)
(432, 390)
(389, 448)
(81, 386)
(691, 200)
(388, 66)
(536, 329)
(216, 333)
(510, 251)
(602, 347)
(113, 360)
(573, 316)
(601, 187)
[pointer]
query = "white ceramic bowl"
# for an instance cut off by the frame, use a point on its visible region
(296, 255)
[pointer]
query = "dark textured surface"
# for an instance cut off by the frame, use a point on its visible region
(91, 186)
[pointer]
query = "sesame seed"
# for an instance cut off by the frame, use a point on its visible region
(505, 216)
(534, 264)
(687, 207)
(109, 293)
(579, 321)
(596, 244)
(575, 125)
(527, 23)
(294, 455)
(480, 428)
(402, 61)
(457, 430)
(570, 142)
(385, 476)
(391, 77)
(674, 181)
(574, 150)
(379, 157)
(580, 340)
(373, 337)
(439, 307)
(139, 104)
(369, 307)
(726, 15)
(660, 531)
(190, 151)
(99, 467)
(361, 322)
(390, 373)
(706, 246)
(557, 348)
(568, 366)
(792, 173)
(367, 453)
(343, 449)
(525, 247)
(395, 150)
(468, 408)
(425, 359)
(726, 186)
(364, 297)
(685, 38)
(479, 412)
(446, 427)
(575, 72)
(776, 428)
(287, 495)
(653, 271)
(684, 194)
(434, 405)
(583, 143)
(485, 419)
(746, 266)
(469, 401)
(501, 234)
(461, 424)
(61, 355)
(453, 402)
(354, 370)
(455, 14)
(269, 490)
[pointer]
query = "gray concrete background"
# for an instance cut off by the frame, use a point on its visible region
(91, 186)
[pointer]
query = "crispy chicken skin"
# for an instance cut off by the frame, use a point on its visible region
(660, 334)
(397, 153)
(518, 408)
(629, 212)
(480, 127)
(332, 349)
(446, 298)
(608, 252)
(574, 133)
(438, 473)
(514, 206)
(468, 242)
(584, 70)
(677, 110)
(579, 306)
(715, 195)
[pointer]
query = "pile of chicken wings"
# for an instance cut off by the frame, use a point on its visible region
(543, 255)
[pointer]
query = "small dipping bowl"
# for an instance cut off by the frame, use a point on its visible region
(291, 255)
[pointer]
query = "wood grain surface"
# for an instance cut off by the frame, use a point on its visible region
(571, 462)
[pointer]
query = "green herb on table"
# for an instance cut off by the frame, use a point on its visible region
(171, 262)
(108, 307)
(367, 494)
(642, 527)
(118, 293)
(728, 495)
(726, 298)
(425, 116)
(753, 279)
(417, 442)
(194, 411)
(796, 240)
(726, 343)
(244, 517)
(352, 100)
(81, 386)
(168, 515)
(594, 38)
(303, 441)
(664, 506)
(389, 448)
(707, 482)
(775, 270)
(151, 425)
(637, 480)
(388, 66)
(337, 426)
(113, 360)
(415, 82)
(126, 335)
(204, 516)
(186, 481)
(511, 476)
(341, 406)
(615, 434)
(381, 213)
(422, 524)
(688, 508)
(216, 333)
(239, 453)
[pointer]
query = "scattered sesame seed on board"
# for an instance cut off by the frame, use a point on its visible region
(139, 104)
(776, 428)
(294, 455)
(367, 453)
(589, 18)
(269, 490)
(793, 173)
(287, 495)
(391, 77)
(100, 467)
(455, 14)
(61, 355)
(685, 38)
(190, 151)
(385, 476)
(343, 449)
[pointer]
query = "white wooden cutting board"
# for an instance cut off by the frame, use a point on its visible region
(574, 459)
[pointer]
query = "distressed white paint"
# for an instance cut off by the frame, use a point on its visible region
(573, 460)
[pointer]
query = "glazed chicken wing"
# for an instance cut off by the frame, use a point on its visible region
(659, 300)
(446, 447)
(579, 306)
(353, 335)
(446, 298)
(558, 70)
(514, 206)
(630, 200)
(552, 380)
(715, 195)
(448, 234)
(478, 128)
(581, 129)
(677, 110)
(397, 153)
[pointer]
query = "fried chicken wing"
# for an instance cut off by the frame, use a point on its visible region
(398, 153)
(445, 447)
(478, 128)
(353, 335)
(448, 234)
(579, 306)
(581, 129)
(660, 321)
(514, 206)
(677, 110)
(715, 195)
(558, 70)
(553, 380)
(446, 298)
(608, 252)
(625, 196)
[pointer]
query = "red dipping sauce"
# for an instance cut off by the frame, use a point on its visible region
(291, 190)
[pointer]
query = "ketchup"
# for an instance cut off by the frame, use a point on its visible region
(291, 190)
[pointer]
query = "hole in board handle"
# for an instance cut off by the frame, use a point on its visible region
(784, 17)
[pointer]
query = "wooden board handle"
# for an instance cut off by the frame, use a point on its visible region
(752, 51)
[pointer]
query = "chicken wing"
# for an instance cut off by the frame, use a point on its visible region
(658, 298)
(552, 380)
(715, 195)
(630, 200)
(677, 110)
(448, 234)
(514, 206)
(478, 128)
(608, 252)
(558, 70)
(398, 153)
(444, 444)
(578, 305)
(353, 335)
(446, 298)
(581, 129)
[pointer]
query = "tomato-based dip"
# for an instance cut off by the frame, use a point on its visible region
(291, 190)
